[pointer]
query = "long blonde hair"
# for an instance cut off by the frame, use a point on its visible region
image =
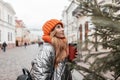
(61, 48)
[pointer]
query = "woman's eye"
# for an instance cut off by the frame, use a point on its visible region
(58, 26)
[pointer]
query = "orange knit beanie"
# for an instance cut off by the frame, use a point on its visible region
(48, 27)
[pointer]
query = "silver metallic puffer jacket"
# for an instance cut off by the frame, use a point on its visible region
(44, 64)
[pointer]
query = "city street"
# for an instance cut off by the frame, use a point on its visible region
(13, 60)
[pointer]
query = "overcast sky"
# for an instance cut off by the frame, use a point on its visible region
(35, 12)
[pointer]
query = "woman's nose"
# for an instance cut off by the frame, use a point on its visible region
(62, 28)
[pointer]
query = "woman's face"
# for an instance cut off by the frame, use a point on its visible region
(59, 31)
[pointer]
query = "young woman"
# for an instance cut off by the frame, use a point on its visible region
(50, 62)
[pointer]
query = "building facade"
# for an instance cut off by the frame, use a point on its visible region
(7, 24)
(70, 23)
(22, 33)
(77, 27)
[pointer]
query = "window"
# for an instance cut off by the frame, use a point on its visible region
(9, 36)
(11, 20)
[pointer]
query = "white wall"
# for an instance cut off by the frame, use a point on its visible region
(70, 23)
(5, 24)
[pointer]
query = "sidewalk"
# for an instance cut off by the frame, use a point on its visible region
(13, 60)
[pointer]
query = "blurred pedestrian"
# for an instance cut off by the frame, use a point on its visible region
(25, 44)
(4, 45)
(40, 43)
(50, 62)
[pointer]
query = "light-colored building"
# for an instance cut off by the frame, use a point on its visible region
(34, 38)
(76, 26)
(22, 33)
(19, 32)
(36, 32)
(85, 25)
(26, 36)
(7, 24)
(70, 23)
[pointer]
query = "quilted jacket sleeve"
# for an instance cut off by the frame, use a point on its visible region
(43, 64)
